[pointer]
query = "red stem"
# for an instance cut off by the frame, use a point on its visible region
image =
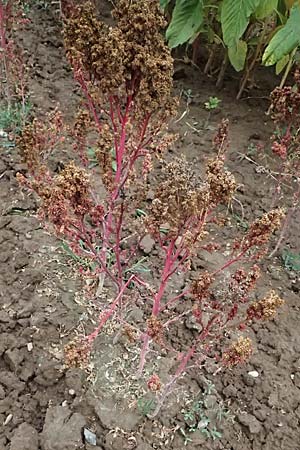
(182, 366)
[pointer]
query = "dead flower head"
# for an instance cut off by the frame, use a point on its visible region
(131, 56)
(239, 352)
(221, 182)
(261, 229)
(201, 285)
(155, 329)
(77, 354)
(265, 308)
(154, 383)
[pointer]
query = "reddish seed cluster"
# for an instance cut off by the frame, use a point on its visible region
(155, 329)
(266, 308)
(261, 229)
(200, 287)
(243, 282)
(239, 352)
(77, 354)
(154, 383)
(285, 109)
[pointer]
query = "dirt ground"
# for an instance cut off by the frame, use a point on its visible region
(45, 406)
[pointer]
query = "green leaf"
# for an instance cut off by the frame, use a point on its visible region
(281, 64)
(285, 40)
(265, 8)
(164, 3)
(235, 16)
(186, 21)
(237, 55)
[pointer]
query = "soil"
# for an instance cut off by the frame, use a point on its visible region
(44, 405)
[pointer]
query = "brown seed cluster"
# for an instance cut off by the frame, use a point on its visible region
(243, 282)
(155, 329)
(220, 141)
(64, 196)
(221, 182)
(201, 285)
(239, 352)
(39, 138)
(94, 47)
(261, 229)
(130, 55)
(77, 354)
(266, 308)
(181, 199)
(285, 107)
(154, 383)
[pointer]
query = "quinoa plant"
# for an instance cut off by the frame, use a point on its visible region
(285, 113)
(12, 66)
(125, 75)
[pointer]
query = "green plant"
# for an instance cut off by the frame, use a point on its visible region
(212, 103)
(146, 406)
(14, 118)
(291, 260)
(249, 31)
(205, 414)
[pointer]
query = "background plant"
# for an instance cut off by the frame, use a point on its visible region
(247, 32)
(125, 75)
(285, 113)
(15, 107)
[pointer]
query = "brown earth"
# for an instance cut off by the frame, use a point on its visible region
(45, 406)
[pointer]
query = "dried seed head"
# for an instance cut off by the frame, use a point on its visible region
(243, 282)
(39, 138)
(132, 56)
(74, 184)
(130, 333)
(155, 329)
(177, 198)
(200, 286)
(147, 58)
(239, 352)
(77, 354)
(154, 383)
(261, 229)
(220, 141)
(266, 308)
(221, 182)
(95, 47)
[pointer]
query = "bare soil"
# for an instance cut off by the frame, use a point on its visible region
(44, 405)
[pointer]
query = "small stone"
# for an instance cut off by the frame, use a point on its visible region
(253, 374)
(4, 317)
(251, 422)
(230, 391)
(89, 436)
(8, 419)
(147, 244)
(72, 392)
(150, 195)
(13, 358)
(29, 346)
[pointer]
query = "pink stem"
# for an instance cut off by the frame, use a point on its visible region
(182, 366)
